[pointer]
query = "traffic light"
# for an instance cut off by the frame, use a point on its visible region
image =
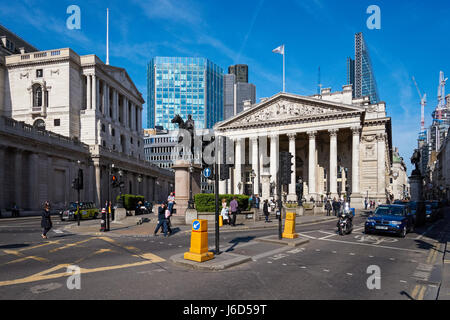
(75, 184)
(114, 181)
(224, 170)
(285, 167)
(80, 179)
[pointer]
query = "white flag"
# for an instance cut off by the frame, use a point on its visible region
(279, 50)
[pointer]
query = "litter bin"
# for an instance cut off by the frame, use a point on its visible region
(353, 211)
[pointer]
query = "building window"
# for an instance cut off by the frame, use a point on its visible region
(113, 132)
(131, 140)
(39, 73)
(37, 96)
(57, 122)
(103, 128)
(39, 124)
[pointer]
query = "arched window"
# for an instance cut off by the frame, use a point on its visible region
(37, 95)
(39, 124)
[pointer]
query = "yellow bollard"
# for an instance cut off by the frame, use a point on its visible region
(220, 221)
(199, 242)
(289, 226)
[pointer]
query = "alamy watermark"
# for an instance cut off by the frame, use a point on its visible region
(74, 280)
(374, 21)
(374, 280)
(74, 20)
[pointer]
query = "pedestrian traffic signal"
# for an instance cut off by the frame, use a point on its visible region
(75, 184)
(285, 167)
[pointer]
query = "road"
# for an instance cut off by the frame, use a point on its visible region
(328, 267)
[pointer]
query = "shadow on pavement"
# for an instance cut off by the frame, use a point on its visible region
(236, 241)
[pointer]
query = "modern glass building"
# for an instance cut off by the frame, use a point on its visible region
(360, 72)
(184, 85)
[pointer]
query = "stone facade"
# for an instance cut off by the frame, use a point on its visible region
(340, 145)
(399, 186)
(57, 94)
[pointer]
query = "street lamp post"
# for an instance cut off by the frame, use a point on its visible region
(78, 191)
(191, 200)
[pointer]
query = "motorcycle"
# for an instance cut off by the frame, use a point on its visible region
(345, 222)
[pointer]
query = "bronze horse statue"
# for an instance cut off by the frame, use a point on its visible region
(189, 125)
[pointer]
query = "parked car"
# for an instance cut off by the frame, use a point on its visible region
(87, 210)
(431, 211)
(394, 219)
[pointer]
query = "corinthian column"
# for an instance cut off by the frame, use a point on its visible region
(381, 165)
(238, 163)
(333, 162)
(255, 166)
(274, 158)
(292, 196)
(312, 164)
(356, 197)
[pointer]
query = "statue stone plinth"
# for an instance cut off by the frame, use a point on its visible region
(183, 176)
(416, 186)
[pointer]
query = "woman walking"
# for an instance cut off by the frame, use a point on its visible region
(224, 212)
(46, 221)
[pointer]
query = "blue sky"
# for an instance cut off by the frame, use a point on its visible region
(413, 41)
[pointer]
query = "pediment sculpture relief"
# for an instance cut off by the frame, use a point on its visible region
(286, 110)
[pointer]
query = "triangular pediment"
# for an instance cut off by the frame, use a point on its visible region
(286, 107)
(121, 76)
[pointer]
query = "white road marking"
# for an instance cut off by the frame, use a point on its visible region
(270, 253)
(349, 274)
(333, 251)
(372, 245)
(403, 281)
(58, 231)
(304, 235)
(352, 254)
(326, 270)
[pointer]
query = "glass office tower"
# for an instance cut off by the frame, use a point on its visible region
(184, 85)
(360, 72)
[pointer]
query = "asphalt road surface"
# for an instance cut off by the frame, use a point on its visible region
(355, 266)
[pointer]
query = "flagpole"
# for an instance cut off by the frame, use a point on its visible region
(284, 79)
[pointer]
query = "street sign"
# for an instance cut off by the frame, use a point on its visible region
(196, 225)
(207, 172)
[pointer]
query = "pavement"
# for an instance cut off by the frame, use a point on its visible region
(444, 291)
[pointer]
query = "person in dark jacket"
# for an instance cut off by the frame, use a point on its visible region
(162, 221)
(266, 210)
(46, 221)
(328, 207)
(336, 207)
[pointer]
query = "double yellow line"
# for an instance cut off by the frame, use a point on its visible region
(419, 290)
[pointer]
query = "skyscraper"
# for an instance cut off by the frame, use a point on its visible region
(240, 71)
(237, 90)
(360, 73)
(184, 85)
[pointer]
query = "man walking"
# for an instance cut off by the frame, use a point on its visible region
(46, 221)
(266, 210)
(328, 207)
(162, 222)
(234, 207)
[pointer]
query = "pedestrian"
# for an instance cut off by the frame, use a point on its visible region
(266, 210)
(224, 212)
(46, 221)
(234, 207)
(171, 202)
(257, 200)
(162, 222)
(15, 210)
(336, 207)
(328, 207)
(168, 214)
(272, 205)
(250, 201)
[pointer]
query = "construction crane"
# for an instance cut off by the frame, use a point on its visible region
(423, 102)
